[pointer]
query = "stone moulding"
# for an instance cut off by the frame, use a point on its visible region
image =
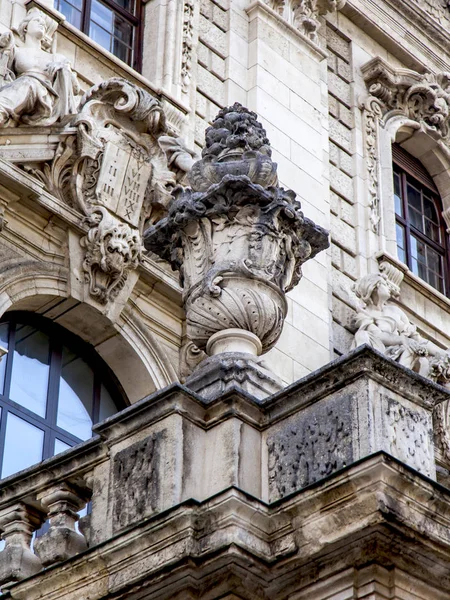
(372, 113)
(187, 45)
(423, 98)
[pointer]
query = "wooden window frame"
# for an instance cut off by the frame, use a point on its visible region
(421, 180)
(135, 19)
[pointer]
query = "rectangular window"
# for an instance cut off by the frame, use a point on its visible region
(113, 24)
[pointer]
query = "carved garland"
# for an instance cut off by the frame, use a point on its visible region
(372, 111)
(187, 45)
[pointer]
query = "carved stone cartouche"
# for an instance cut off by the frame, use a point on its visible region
(117, 167)
(237, 237)
(38, 87)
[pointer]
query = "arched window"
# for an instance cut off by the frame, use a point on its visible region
(421, 234)
(53, 388)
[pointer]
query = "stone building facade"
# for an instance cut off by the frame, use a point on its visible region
(224, 299)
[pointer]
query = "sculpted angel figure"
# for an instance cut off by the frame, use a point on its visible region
(37, 87)
(384, 326)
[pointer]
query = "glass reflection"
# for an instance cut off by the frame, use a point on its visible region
(60, 447)
(18, 454)
(76, 390)
(4, 331)
(30, 370)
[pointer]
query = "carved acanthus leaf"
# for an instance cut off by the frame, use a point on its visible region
(424, 98)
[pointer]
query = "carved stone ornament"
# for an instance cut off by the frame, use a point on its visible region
(383, 325)
(115, 170)
(37, 86)
(187, 45)
(305, 14)
(424, 98)
(238, 239)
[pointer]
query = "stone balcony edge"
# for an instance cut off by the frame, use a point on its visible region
(233, 527)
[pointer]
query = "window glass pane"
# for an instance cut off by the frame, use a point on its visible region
(4, 331)
(107, 404)
(401, 243)
(61, 446)
(397, 195)
(76, 390)
(127, 5)
(429, 210)
(100, 36)
(30, 369)
(23, 445)
(121, 51)
(101, 15)
(123, 31)
(414, 199)
(72, 12)
(432, 231)
(416, 219)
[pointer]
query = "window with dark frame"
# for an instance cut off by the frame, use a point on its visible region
(53, 389)
(422, 240)
(113, 24)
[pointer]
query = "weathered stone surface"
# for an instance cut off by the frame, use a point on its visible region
(315, 443)
(137, 471)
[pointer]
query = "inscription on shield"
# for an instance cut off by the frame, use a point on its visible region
(123, 179)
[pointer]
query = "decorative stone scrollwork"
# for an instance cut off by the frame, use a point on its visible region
(117, 172)
(112, 249)
(38, 87)
(305, 14)
(422, 98)
(238, 239)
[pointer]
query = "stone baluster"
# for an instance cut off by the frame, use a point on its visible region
(17, 561)
(62, 540)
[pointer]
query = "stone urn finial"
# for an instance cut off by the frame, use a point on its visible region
(238, 239)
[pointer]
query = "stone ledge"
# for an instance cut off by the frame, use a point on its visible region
(275, 549)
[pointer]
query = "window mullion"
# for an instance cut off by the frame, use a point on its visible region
(53, 393)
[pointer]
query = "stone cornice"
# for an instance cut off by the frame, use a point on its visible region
(405, 29)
